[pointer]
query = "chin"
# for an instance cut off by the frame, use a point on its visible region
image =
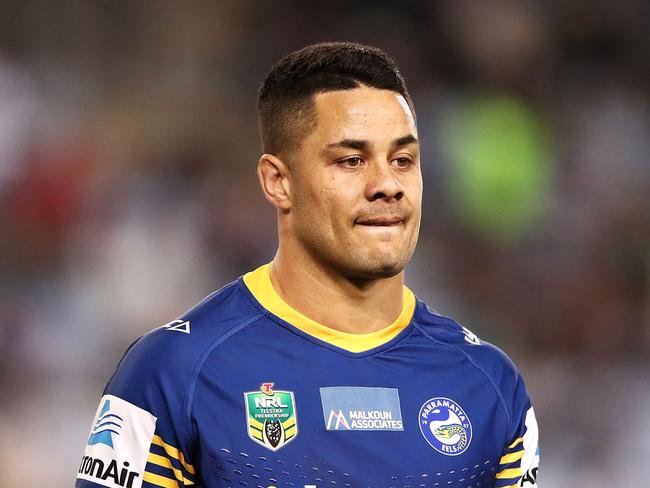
(378, 268)
(369, 262)
(385, 273)
(388, 270)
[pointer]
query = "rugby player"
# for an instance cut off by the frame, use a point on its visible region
(320, 368)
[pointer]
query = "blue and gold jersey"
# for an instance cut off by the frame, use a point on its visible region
(244, 391)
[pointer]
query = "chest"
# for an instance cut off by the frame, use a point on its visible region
(305, 418)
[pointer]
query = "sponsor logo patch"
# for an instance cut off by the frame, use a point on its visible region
(361, 408)
(530, 477)
(445, 426)
(107, 424)
(118, 444)
(271, 416)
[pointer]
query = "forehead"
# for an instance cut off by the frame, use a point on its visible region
(362, 113)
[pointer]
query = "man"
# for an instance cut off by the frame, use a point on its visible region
(320, 368)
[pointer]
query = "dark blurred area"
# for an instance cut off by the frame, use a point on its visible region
(128, 149)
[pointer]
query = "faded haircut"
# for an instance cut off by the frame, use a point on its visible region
(286, 108)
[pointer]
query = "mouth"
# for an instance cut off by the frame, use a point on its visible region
(380, 221)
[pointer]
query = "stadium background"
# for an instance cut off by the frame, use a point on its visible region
(128, 145)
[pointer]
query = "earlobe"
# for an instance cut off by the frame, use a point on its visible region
(273, 174)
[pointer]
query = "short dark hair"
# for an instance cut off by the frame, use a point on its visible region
(285, 101)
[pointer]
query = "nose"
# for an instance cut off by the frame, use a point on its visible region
(383, 183)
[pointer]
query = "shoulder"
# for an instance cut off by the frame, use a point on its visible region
(487, 358)
(172, 352)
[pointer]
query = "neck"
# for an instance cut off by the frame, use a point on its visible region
(331, 299)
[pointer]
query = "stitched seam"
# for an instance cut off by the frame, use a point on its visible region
(492, 381)
(198, 366)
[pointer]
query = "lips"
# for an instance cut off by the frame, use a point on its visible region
(380, 220)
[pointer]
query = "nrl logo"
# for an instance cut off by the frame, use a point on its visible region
(271, 416)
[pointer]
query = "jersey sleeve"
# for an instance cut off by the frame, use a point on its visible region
(139, 437)
(520, 460)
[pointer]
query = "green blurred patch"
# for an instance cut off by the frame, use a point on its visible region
(501, 169)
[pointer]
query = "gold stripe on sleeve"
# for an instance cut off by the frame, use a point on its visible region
(513, 456)
(173, 452)
(509, 473)
(166, 463)
(517, 441)
(156, 479)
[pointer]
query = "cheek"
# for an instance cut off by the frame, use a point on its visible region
(326, 212)
(414, 193)
(317, 197)
(311, 210)
(324, 203)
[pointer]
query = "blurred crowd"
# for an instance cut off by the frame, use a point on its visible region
(128, 149)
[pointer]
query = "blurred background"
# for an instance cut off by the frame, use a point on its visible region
(128, 149)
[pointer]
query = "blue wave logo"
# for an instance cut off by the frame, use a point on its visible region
(106, 425)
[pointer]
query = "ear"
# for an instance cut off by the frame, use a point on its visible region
(274, 178)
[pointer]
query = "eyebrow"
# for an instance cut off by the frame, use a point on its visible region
(358, 144)
(405, 141)
(361, 145)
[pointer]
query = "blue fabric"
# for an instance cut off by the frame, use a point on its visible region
(195, 384)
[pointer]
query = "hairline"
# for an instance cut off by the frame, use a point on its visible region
(309, 117)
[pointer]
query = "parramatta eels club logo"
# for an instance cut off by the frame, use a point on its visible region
(445, 426)
(271, 416)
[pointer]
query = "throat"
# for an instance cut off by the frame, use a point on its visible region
(346, 305)
(352, 324)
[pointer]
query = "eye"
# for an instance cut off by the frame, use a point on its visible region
(403, 162)
(352, 162)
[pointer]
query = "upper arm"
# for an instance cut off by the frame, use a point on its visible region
(138, 436)
(520, 460)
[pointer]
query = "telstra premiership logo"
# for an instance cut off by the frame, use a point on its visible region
(271, 416)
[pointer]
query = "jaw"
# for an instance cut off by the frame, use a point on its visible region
(355, 251)
(394, 240)
(380, 253)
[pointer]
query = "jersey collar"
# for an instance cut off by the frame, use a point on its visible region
(259, 284)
